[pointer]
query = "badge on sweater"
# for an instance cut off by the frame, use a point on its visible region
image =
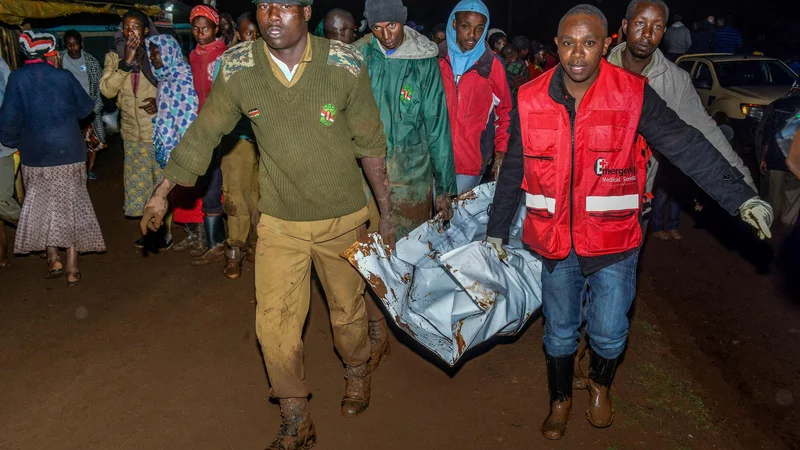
(328, 115)
(253, 113)
(406, 93)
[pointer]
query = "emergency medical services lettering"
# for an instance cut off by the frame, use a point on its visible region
(612, 174)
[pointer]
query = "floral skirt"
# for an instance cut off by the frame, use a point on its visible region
(142, 173)
(57, 211)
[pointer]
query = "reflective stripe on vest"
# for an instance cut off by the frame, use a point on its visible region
(612, 203)
(534, 201)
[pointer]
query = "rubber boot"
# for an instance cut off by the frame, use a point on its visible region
(297, 430)
(356, 390)
(579, 378)
(188, 240)
(379, 340)
(200, 245)
(233, 262)
(215, 238)
(601, 373)
(559, 377)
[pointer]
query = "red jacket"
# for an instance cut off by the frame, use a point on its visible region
(478, 109)
(584, 181)
(203, 60)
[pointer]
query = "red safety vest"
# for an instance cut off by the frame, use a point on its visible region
(584, 187)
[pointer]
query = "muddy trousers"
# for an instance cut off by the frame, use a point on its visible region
(241, 191)
(284, 256)
(602, 299)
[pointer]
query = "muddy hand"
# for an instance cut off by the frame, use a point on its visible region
(498, 163)
(497, 243)
(149, 106)
(444, 208)
(387, 231)
(154, 212)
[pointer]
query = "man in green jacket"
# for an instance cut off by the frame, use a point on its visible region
(308, 101)
(408, 89)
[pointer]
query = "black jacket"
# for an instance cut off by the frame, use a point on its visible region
(683, 145)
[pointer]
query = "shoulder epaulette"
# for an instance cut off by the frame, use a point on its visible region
(345, 56)
(236, 58)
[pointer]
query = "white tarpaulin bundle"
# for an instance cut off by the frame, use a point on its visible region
(445, 287)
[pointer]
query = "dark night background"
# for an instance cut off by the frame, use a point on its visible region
(767, 26)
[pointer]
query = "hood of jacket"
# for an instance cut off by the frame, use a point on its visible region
(462, 61)
(678, 25)
(414, 46)
(658, 65)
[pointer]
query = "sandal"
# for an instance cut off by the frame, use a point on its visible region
(55, 273)
(74, 282)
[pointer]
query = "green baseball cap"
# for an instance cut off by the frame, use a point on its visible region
(287, 2)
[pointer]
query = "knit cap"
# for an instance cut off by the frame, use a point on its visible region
(377, 11)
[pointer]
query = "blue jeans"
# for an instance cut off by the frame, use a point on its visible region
(661, 200)
(602, 298)
(466, 183)
(212, 199)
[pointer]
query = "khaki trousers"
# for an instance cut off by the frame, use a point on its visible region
(241, 191)
(284, 256)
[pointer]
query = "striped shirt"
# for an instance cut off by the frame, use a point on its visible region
(727, 40)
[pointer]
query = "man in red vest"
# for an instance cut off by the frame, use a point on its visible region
(577, 148)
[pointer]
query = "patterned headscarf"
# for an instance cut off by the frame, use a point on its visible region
(177, 100)
(204, 11)
(36, 45)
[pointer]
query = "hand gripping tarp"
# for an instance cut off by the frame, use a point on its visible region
(446, 287)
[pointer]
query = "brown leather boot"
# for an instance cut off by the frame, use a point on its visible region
(356, 390)
(379, 339)
(297, 430)
(559, 377)
(233, 262)
(601, 373)
(250, 251)
(579, 378)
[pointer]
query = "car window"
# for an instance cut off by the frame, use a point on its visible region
(703, 73)
(754, 73)
(686, 65)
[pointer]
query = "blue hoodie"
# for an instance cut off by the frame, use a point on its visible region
(462, 61)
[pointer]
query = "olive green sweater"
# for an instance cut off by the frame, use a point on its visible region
(309, 136)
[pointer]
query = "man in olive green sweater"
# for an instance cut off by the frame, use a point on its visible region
(314, 116)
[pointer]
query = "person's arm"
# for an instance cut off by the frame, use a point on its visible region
(94, 82)
(12, 116)
(366, 127)
(502, 96)
(687, 148)
(509, 185)
(437, 127)
(690, 109)
(191, 157)
(115, 74)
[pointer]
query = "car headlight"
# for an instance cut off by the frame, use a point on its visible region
(752, 110)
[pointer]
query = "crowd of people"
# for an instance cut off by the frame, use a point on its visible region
(302, 144)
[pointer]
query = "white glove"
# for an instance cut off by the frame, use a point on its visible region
(758, 214)
(497, 243)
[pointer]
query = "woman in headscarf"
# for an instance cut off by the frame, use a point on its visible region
(39, 116)
(128, 76)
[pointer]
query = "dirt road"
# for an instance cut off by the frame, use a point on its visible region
(152, 353)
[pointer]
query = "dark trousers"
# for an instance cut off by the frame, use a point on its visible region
(212, 199)
(661, 200)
